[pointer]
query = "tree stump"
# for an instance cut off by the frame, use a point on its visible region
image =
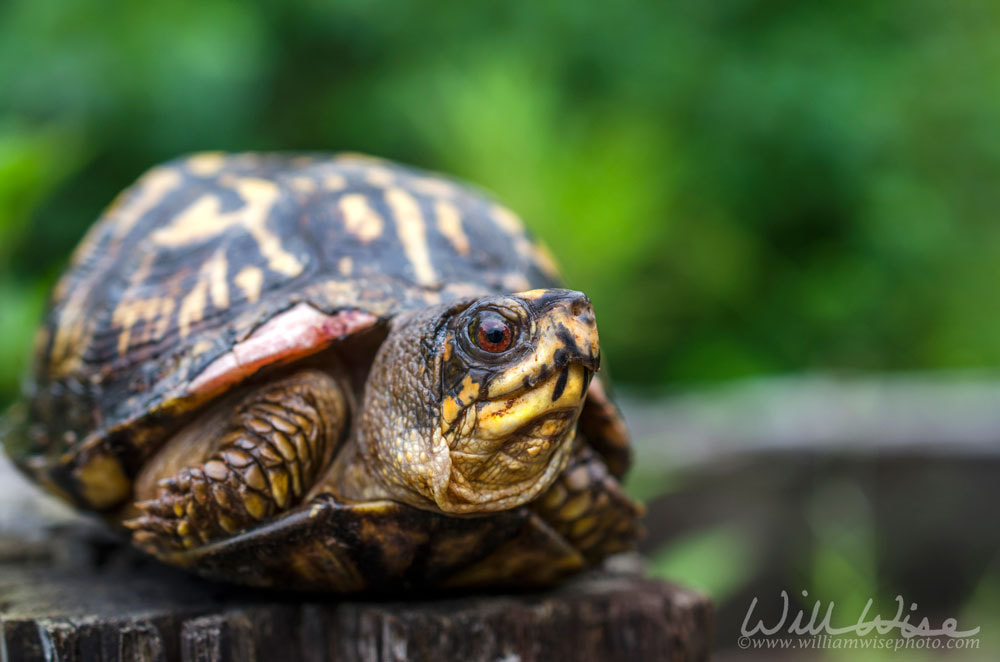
(87, 600)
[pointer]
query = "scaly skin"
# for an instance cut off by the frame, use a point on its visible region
(174, 351)
(447, 427)
(444, 427)
(274, 448)
(588, 508)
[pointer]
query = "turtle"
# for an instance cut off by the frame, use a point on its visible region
(327, 372)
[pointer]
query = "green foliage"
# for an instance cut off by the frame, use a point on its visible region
(742, 187)
(843, 564)
(716, 561)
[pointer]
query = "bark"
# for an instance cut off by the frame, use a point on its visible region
(95, 602)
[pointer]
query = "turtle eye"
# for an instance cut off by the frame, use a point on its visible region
(492, 333)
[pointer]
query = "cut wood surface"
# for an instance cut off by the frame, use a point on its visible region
(71, 592)
(50, 616)
(131, 609)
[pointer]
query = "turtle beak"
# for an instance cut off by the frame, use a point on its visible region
(570, 319)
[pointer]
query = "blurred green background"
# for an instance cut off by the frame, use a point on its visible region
(744, 188)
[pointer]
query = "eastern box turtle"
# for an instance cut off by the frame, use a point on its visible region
(310, 372)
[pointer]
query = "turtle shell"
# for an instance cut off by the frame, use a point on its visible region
(200, 254)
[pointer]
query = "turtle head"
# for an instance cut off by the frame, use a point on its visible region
(472, 408)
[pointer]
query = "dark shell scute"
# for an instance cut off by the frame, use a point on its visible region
(205, 249)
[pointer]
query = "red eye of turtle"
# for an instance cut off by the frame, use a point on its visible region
(492, 333)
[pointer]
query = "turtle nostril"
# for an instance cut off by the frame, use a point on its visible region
(584, 313)
(580, 303)
(581, 308)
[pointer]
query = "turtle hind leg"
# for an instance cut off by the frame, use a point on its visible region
(276, 444)
(588, 507)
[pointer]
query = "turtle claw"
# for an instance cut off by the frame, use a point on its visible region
(265, 462)
(152, 525)
(176, 519)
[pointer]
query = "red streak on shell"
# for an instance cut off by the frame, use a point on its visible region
(286, 337)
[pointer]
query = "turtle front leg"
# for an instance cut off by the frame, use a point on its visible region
(272, 450)
(603, 428)
(588, 507)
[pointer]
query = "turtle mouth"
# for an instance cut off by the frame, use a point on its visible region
(501, 417)
(518, 471)
(518, 444)
(562, 374)
(511, 464)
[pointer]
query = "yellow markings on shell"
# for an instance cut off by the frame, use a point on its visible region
(514, 226)
(141, 276)
(127, 209)
(507, 220)
(449, 224)
(302, 184)
(64, 284)
(101, 480)
(377, 175)
(359, 218)
(128, 313)
(69, 339)
(206, 164)
(201, 347)
(431, 186)
(303, 160)
(358, 158)
(192, 308)
(205, 219)
(412, 232)
(136, 202)
(216, 270)
(334, 182)
(134, 307)
(212, 283)
(341, 293)
(345, 265)
(545, 260)
(250, 279)
(513, 282)
(461, 290)
(41, 340)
